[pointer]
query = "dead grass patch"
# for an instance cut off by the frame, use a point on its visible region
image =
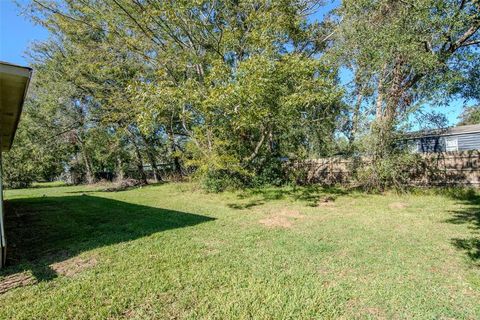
(326, 202)
(16, 280)
(397, 205)
(142, 311)
(73, 266)
(148, 309)
(282, 219)
(276, 222)
(355, 306)
(295, 214)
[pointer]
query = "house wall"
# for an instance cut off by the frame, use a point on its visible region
(469, 141)
(465, 142)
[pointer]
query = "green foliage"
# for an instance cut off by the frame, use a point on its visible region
(395, 171)
(19, 170)
(272, 174)
(272, 109)
(227, 88)
(221, 180)
(403, 54)
(470, 115)
(37, 154)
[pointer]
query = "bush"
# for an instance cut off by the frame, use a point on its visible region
(18, 171)
(395, 171)
(271, 174)
(221, 180)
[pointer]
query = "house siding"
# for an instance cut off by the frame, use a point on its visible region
(469, 141)
(465, 141)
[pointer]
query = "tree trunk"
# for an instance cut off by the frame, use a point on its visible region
(153, 163)
(388, 103)
(120, 172)
(89, 176)
(141, 171)
(355, 121)
(151, 158)
(173, 151)
(380, 93)
(377, 126)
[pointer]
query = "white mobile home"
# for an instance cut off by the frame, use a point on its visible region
(14, 82)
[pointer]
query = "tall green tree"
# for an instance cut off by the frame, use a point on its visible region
(232, 86)
(404, 52)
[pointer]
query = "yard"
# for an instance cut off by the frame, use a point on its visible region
(174, 251)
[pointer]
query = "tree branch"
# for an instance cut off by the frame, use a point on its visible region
(463, 39)
(257, 149)
(471, 43)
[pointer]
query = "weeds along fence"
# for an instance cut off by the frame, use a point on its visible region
(432, 169)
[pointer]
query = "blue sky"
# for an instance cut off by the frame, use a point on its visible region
(18, 32)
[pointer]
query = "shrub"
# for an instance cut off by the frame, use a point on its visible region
(395, 171)
(270, 174)
(221, 180)
(18, 172)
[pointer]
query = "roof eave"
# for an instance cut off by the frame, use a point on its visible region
(23, 74)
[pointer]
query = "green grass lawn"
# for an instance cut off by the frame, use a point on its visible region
(173, 251)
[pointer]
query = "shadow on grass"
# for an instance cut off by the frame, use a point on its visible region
(311, 195)
(469, 215)
(43, 231)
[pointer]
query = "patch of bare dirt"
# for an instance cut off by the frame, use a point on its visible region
(282, 219)
(73, 266)
(16, 280)
(276, 222)
(326, 202)
(398, 205)
(291, 214)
